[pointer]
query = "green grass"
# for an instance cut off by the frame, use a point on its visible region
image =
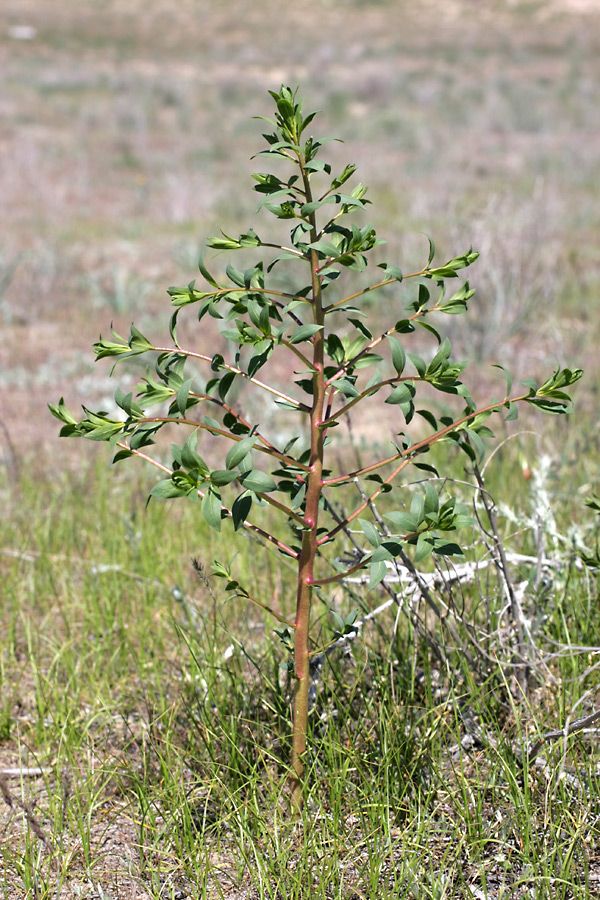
(157, 713)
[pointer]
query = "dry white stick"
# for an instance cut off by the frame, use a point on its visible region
(32, 772)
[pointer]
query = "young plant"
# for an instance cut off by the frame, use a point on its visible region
(338, 363)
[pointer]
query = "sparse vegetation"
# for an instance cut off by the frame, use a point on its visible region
(141, 751)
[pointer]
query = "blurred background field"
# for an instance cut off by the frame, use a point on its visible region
(126, 136)
(150, 709)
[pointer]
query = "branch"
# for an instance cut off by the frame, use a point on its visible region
(249, 525)
(268, 448)
(372, 287)
(570, 728)
(280, 618)
(261, 384)
(365, 393)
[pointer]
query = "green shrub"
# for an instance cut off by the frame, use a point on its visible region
(338, 363)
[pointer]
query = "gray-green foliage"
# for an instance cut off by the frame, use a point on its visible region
(338, 363)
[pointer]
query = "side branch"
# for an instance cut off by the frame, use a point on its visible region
(407, 459)
(246, 524)
(372, 287)
(222, 432)
(376, 341)
(177, 351)
(366, 393)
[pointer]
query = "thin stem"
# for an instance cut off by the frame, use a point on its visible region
(366, 393)
(299, 354)
(342, 479)
(341, 575)
(285, 249)
(144, 456)
(309, 536)
(228, 409)
(248, 525)
(372, 287)
(222, 432)
(269, 609)
(374, 343)
(265, 387)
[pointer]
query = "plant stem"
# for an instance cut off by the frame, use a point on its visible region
(309, 536)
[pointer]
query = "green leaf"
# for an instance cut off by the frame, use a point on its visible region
(188, 456)
(446, 548)
(403, 393)
(325, 248)
(593, 502)
(182, 395)
(507, 375)
(405, 523)
(60, 412)
(360, 326)
(316, 165)
(458, 302)
(121, 454)
(241, 509)
(418, 363)
(371, 533)
(432, 502)
(138, 342)
(299, 498)
(307, 209)
(235, 275)
(530, 383)
(561, 378)
(221, 477)
(142, 436)
(167, 489)
(424, 547)
(225, 384)
(211, 508)
(450, 269)
(391, 271)
(553, 407)
(417, 507)
(477, 444)
(304, 333)
(340, 179)
(404, 326)
(99, 428)
(345, 387)
(239, 452)
(367, 360)
(431, 251)
(377, 572)
(398, 355)
(259, 359)
(443, 353)
(513, 412)
(382, 553)
(258, 481)
(250, 239)
(223, 243)
(206, 274)
(105, 349)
